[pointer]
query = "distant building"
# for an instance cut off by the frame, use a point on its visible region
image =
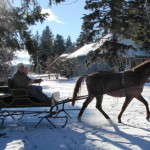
(131, 58)
(81, 56)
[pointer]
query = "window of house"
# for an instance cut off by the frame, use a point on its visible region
(100, 61)
(128, 61)
(124, 62)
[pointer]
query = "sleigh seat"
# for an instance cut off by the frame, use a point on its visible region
(18, 97)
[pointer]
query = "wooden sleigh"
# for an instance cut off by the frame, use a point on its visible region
(12, 100)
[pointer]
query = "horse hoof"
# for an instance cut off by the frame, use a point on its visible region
(147, 118)
(79, 119)
(110, 121)
(119, 121)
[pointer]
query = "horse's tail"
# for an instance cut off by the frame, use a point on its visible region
(77, 88)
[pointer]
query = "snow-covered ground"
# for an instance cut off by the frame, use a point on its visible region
(93, 133)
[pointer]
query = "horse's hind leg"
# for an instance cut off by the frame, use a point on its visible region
(85, 104)
(99, 106)
(141, 99)
(126, 103)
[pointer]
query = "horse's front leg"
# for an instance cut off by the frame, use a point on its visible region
(85, 104)
(141, 99)
(126, 103)
(99, 100)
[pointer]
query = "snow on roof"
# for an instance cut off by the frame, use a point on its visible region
(142, 53)
(22, 56)
(129, 42)
(83, 51)
(136, 53)
(65, 55)
(131, 53)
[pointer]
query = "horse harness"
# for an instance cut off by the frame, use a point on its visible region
(123, 84)
(123, 87)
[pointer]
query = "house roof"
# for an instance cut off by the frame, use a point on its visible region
(137, 53)
(83, 51)
(131, 53)
(64, 55)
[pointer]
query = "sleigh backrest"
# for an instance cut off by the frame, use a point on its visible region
(10, 83)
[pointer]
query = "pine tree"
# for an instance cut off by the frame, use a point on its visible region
(81, 39)
(68, 43)
(35, 54)
(14, 26)
(121, 18)
(15, 22)
(7, 36)
(139, 23)
(59, 45)
(46, 45)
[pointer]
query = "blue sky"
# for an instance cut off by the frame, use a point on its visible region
(65, 18)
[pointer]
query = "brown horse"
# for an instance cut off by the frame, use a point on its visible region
(128, 84)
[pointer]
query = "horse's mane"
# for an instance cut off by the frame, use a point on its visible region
(142, 66)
